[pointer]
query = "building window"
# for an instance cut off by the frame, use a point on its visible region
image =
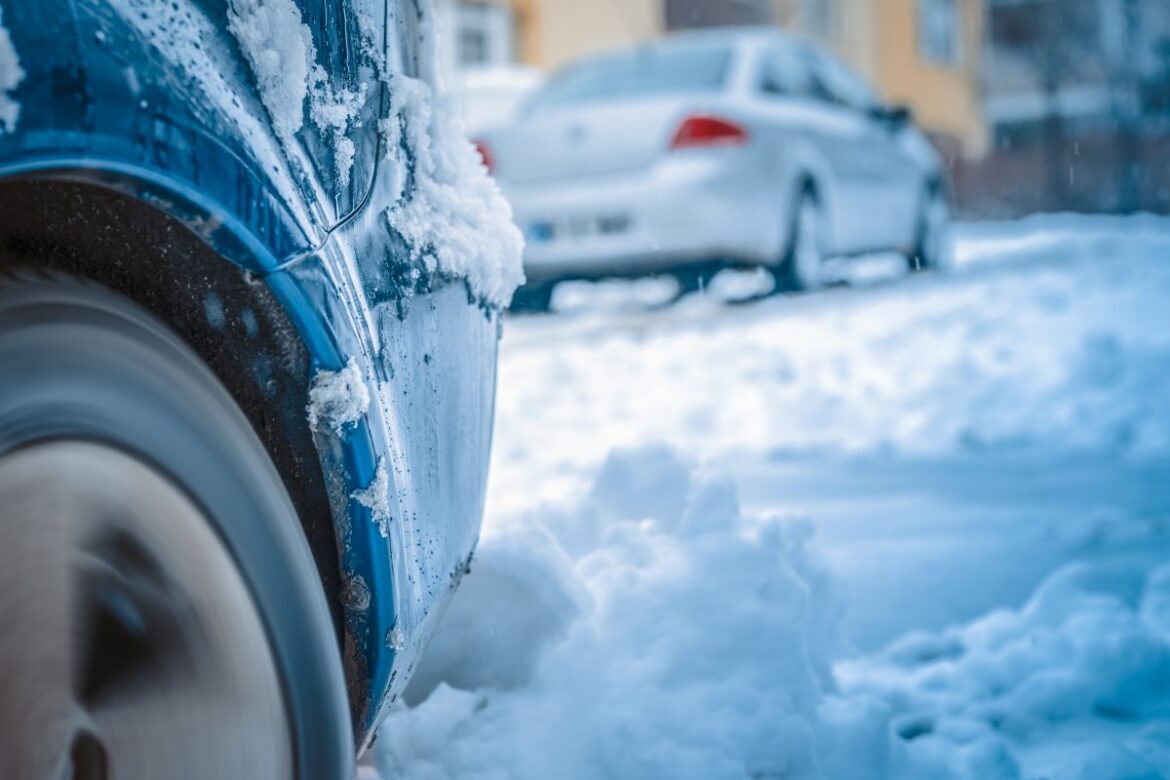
(938, 31)
(485, 33)
(686, 14)
(818, 18)
(473, 46)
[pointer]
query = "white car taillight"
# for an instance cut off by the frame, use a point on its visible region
(702, 131)
(485, 154)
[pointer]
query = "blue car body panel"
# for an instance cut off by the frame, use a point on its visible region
(155, 99)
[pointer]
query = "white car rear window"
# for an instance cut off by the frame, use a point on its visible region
(644, 72)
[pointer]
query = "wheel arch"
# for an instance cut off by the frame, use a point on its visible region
(200, 272)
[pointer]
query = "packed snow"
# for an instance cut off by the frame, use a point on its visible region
(338, 398)
(11, 74)
(1046, 337)
(911, 528)
(454, 219)
(376, 498)
(279, 47)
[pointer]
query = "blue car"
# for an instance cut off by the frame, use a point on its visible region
(251, 278)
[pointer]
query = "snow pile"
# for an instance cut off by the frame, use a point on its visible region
(1064, 347)
(454, 220)
(11, 74)
(1076, 684)
(653, 631)
(338, 398)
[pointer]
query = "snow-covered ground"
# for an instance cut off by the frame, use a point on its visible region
(910, 528)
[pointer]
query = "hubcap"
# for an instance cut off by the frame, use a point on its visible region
(131, 647)
(809, 254)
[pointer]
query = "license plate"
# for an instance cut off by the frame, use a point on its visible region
(541, 232)
(545, 231)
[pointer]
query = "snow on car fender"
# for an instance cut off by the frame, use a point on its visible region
(349, 202)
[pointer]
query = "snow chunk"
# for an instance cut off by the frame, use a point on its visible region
(338, 398)
(396, 640)
(454, 219)
(279, 47)
(333, 112)
(376, 498)
(676, 641)
(11, 74)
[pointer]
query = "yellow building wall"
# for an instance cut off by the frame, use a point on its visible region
(563, 30)
(859, 40)
(946, 99)
(529, 45)
(880, 39)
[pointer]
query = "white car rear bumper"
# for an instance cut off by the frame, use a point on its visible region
(689, 207)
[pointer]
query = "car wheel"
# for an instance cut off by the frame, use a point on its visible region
(802, 268)
(694, 277)
(534, 298)
(162, 615)
(933, 248)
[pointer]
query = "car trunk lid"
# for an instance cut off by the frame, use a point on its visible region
(594, 139)
(610, 114)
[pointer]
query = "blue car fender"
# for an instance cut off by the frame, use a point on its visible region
(160, 103)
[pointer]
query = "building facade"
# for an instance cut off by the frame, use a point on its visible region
(922, 53)
(546, 34)
(926, 54)
(1077, 99)
(1036, 104)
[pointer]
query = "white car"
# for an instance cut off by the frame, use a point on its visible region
(713, 149)
(490, 97)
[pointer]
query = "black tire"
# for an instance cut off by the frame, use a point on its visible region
(694, 277)
(931, 249)
(534, 298)
(789, 275)
(79, 363)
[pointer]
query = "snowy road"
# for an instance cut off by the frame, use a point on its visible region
(908, 528)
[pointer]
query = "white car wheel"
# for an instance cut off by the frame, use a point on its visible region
(803, 266)
(934, 242)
